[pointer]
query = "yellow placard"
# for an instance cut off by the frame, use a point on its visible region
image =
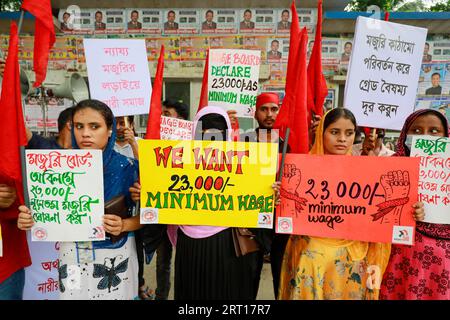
(212, 183)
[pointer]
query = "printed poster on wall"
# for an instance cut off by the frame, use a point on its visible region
(284, 21)
(233, 80)
(434, 176)
(66, 194)
(265, 21)
(384, 72)
(181, 21)
(194, 48)
(220, 21)
(207, 183)
(119, 75)
(134, 20)
(115, 20)
(152, 21)
(277, 49)
(333, 197)
(74, 20)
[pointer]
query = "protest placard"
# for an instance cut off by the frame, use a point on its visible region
(175, 129)
(383, 72)
(334, 197)
(119, 75)
(233, 80)
(207, 183)
(434, 176)
(65, 188)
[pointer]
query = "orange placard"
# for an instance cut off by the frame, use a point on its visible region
(344, 197)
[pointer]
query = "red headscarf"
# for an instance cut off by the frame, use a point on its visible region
(267, 97)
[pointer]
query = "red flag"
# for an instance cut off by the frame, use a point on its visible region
(154, 116)
(282, 120)
(299, 141)
(317, 86)
(44, 35)
(204, 93)
(12, 129)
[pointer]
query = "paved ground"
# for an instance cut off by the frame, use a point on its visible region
(265, 286)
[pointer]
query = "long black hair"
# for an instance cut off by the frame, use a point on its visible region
(96, 105)
(337, 113)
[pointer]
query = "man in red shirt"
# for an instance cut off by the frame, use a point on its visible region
(15, 248)
(14, 255)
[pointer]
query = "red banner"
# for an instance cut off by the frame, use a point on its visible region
(344, 197)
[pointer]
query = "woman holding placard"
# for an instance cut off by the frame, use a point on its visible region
(207, 265)
(100, 269)
(324, 268)
(421, 271)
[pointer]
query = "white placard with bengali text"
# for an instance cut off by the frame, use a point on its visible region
(233, 80)
(434, 176)
(65, 188)
(384, 72)
(175, 129)
(119, 75)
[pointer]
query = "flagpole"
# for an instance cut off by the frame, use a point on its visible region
(19, 27)
(26, 198)
(283, 156)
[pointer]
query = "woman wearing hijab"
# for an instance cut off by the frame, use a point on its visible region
(420, 272)
(323, 268)
(206, 265)
(99, 269)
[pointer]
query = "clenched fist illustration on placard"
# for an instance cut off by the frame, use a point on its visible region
(396, 186)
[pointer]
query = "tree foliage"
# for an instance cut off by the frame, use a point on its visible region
(441, 6)
(398, 5)
(10, 5)
(384, 5)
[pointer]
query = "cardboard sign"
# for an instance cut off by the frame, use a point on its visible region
(175, 129)
(334, 197)
(66, 194)
(233, 80)
(434, 177)
(118, 74)
(383, 72)
(207, 183)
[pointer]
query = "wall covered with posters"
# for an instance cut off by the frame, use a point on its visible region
(187, 34)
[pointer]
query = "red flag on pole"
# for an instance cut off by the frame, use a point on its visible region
(317, 85)
(12, 129)
(299, 140)
(44, 36)
(204, 93)
(154, 116)
(282, 119)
